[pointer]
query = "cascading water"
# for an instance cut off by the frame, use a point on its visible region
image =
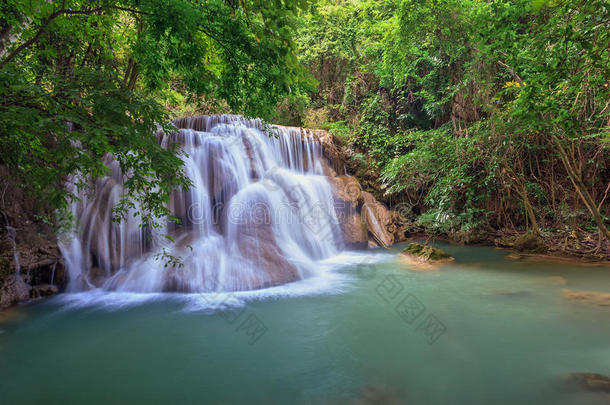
(259, 213)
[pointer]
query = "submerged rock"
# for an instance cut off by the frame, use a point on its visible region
(589, 381)
(601, 299)
(426, 253)
(554, 280)
(511, 293)
(377, 394)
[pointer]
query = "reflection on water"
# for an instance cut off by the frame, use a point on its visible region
(357, 334)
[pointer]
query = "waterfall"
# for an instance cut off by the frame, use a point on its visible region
(259, 213)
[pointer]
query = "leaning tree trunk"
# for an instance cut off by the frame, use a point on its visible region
(581, 189)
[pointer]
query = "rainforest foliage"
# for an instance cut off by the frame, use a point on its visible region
(80, 79)
(475, 115)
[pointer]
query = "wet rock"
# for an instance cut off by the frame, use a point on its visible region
(529, 242)
(588, 381)
(597, 298)
(426, 253)
(384, 226)
(354, 230)
(377, 218)
(423, 258)
(13, 291)
(257, 244)
(44, 290)
(347, 193)
(347, 188)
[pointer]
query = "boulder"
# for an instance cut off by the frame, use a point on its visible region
(423, 258)
(377, 218)
(529, 242)
(347, 193)
(44, 290)
(347, 188)
(354, 230)
(13, 291)
(426, 253)
(255, 241)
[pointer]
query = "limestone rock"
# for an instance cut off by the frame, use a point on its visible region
(529, 242)
(44, 290)
(13, 291)
(426, 253)
(354, 230)
(347, 193)
(377, 218)
(257, 244)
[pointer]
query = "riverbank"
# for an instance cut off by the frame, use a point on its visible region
(406, 220)
(582, 251)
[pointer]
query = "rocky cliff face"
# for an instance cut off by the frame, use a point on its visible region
(30, 261)
(364, 220)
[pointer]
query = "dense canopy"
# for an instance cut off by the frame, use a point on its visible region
(476, 115)
(472, 115)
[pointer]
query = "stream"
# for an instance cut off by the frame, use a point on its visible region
(367, 329)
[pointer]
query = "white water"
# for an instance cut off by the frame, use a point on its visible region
(259, 214)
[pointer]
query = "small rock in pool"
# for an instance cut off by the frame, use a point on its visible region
(426, 253)
(44, 290)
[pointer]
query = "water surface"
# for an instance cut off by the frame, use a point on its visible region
(484, 329)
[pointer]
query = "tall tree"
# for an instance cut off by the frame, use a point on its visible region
(80, 79)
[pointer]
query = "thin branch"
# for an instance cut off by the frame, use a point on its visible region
(512, 72)
(47, 21)
(45, 24)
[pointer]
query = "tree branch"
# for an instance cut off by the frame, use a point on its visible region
(512, 72)
(47, 21)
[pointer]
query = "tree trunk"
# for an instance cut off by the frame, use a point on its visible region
(581, 189)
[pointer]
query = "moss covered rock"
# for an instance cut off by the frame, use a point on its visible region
(529, 242)
(426, 253)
